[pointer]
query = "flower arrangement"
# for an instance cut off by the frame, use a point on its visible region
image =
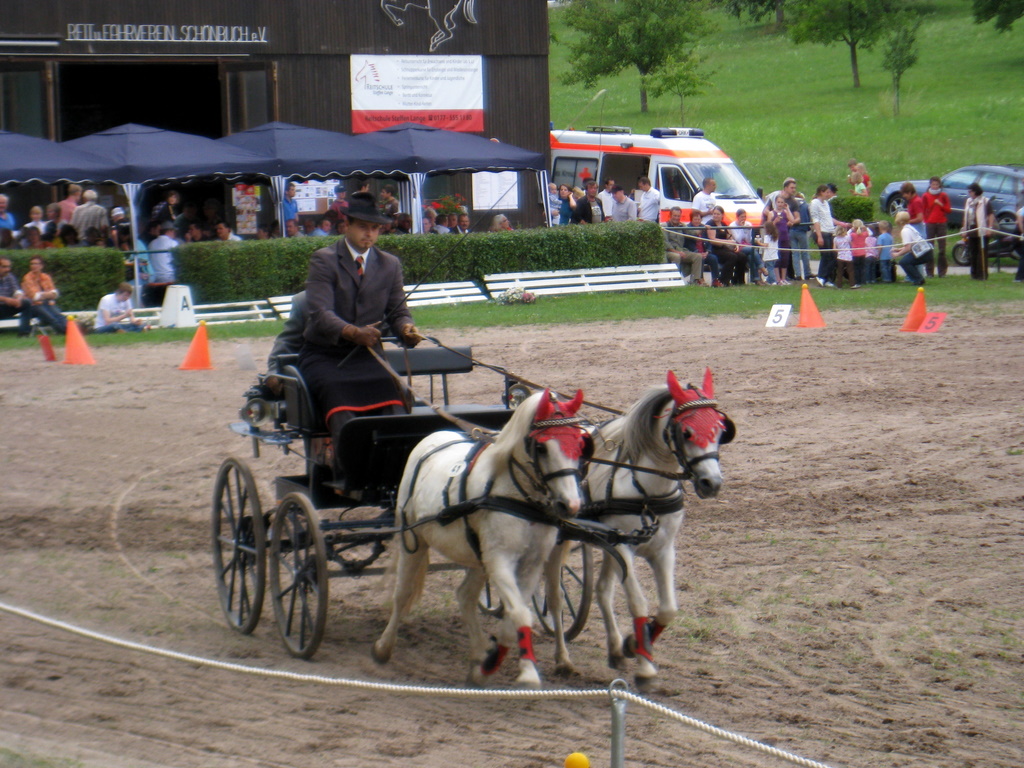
(516, 295)
(449, 204)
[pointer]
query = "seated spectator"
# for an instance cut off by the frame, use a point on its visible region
(168, 208)
(223, 232)
(499, 223)
(40, 290)
(339, 204)
(724, 247)
(90, 214)
(403, 224)
(67, 237)
(689, 262)
(13, 301)
(7, 241)
(291, 229)
(7, 220)
(211, 213)
(34, 240)
(309, 226)
(93, 238)
(326, 228)
(35, 222)
(51, 227)
(189, 215)
(695, 240)
(115, 313)
(196, 234)
(743, 235)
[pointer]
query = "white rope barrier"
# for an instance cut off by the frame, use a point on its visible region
(615, 692)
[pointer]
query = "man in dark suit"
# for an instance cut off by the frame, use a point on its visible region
(352, 290)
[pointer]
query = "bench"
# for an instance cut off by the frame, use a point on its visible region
(418, 296)
(639, 277)
(235, 311)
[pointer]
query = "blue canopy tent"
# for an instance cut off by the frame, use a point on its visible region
(141, 154)
(424, 151)
(27, 158)
(311, 152)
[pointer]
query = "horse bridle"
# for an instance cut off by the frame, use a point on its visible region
(533, 473)
(676, 437)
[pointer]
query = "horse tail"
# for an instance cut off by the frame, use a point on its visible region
(469, 11)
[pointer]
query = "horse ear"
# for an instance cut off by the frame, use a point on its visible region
(709, 384)
(675, 388)
(545, 407)
(573, 405)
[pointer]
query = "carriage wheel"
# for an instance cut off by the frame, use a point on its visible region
(239, 539)
(577, 585)
(298, 575)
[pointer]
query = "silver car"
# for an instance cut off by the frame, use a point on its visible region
(1002, 185)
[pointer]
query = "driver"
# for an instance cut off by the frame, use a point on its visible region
(352, 290)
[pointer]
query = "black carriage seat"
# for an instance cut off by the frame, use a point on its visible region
(374, 449)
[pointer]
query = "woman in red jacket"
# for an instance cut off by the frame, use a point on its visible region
(936, 218)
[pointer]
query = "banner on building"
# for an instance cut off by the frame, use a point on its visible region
(439, 91)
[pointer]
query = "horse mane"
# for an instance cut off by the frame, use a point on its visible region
(516, 428)
(639, 429)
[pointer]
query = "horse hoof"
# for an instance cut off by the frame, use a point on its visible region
(379, 654)
(565, 670)
(475, 678)
(527, 685)
(644, 684)
(629, 647)
(616, 662)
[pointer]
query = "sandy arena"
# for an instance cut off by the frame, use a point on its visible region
(855, 595)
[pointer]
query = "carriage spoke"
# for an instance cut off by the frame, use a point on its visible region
(239, 542)
(298, 575)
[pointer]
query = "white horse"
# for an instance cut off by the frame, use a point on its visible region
(635, 480)
(493, 508)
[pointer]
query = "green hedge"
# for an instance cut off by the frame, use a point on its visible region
(850, 208)
(256, 269)
(82, 275)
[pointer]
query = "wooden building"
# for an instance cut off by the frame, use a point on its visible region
(214, 67)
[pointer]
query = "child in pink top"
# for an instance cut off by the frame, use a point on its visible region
(870, 258)
(858, 244)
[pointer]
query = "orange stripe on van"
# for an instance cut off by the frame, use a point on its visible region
(617, 150)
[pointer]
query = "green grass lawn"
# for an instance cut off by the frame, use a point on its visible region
(784, 110)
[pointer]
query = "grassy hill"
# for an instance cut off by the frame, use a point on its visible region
(784, 110)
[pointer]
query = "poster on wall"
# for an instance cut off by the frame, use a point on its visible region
(439, 91)
(246, 200)
(496, 191)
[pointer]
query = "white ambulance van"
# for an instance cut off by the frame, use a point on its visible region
(677, 160)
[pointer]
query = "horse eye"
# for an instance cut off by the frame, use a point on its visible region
(542, 450)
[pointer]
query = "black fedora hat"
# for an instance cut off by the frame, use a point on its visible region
(362, 206)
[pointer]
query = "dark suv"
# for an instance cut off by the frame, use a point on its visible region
(1001, 184)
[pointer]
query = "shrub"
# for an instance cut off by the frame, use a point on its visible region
(850, 208)
(82, 275)
(256, 269)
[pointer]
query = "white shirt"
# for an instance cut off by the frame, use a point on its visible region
(821, 214)
(113, 308)
(704, 202)
(650, 205)
(605, 196)
(161, 261)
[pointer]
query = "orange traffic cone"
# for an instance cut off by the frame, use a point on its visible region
(198, 356)
(916, 314)
(76, 351)
(47, 345)
(810, 317)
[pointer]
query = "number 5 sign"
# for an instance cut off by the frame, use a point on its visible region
(779, 316)
(932, 322)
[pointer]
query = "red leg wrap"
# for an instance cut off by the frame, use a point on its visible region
(642, 633)
(526, 644)
(656, 629)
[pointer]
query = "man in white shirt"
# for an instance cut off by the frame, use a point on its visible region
(223, 232)
(650, 201)
(115, 313)
(605, 195)
(704, 201)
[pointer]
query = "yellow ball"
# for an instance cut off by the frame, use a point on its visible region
(577, 760)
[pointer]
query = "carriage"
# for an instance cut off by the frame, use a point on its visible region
(323, 525)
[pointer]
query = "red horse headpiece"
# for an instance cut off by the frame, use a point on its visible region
(556, 420)
(697, 409)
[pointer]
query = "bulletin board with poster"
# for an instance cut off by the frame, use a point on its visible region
(246, 200)
(314, 196)
(496, 191)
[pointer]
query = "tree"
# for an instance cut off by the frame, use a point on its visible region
(644, 34)
(1005, 12)
(682, 77)
(858, 23)
(899, 55)
(757, 9)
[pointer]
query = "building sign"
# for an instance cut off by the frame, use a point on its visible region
(165, 33)
(496, 191)
(439, 91)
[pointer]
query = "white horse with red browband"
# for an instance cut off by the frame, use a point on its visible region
(493, 508)
(670, 435)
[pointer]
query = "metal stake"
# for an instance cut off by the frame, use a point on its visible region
(618, 756)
